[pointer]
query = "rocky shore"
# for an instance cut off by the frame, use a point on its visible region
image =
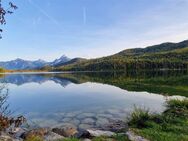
(61, 133)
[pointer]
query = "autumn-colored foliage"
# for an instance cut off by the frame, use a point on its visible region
(4, 11)
(6, 120)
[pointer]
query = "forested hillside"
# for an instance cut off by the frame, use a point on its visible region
(163, 56)
(2, 70)
(154, 49)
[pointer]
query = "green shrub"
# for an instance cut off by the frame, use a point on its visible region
(176, 103)
(177, 108)
(139, 117)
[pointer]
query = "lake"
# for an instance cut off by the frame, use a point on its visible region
(88, 100)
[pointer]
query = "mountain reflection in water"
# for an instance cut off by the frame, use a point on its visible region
(89, 99)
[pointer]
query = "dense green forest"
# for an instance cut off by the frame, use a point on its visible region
(163, 56)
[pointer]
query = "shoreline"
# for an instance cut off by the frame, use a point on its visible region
(107, 71)
(141, 125)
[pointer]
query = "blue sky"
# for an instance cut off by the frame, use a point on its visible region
(47, 29)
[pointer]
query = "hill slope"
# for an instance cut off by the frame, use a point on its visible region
(163, 56)
(72, 61)
(154, 49)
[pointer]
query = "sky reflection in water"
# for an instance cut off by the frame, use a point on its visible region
(50, 101)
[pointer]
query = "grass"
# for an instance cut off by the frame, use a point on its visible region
(139, 117)
(70, 139)
(117, 137)
(34, 138)
(37, 138)
(174, 104)
(171, 125)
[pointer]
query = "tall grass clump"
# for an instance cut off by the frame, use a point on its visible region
(177, 103)
(171, 125)
(177, 108)
(139, 117)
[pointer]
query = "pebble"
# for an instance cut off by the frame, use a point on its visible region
(65, 131)
(134, 137)
(51, 136)
(98, 133)
(85, 126)
(102, 121)
(85, 115)
(88, 121)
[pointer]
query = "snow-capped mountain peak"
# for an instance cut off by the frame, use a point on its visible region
(62, 59)
(20, 64)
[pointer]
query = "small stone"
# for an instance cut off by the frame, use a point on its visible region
(105, 116)
(85, 126)
(88, 121)
(66, 119)
(134, 137)
(70, 115)
(114, 111)
(76, 122)
(83, 134)
(51, 136)
(66, 131)
(17, 132)
(5, 138)
(85, 115)
(64, 125)
(116, 126)
(98, 133)
(36, 132)
(102, 121)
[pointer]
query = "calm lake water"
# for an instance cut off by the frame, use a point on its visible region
(81, 100)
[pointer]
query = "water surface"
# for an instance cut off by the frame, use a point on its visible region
(81, 100)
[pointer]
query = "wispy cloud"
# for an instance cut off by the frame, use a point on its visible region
(53, 20)
(84, 15)
(36, 21)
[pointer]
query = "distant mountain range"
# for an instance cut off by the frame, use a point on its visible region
(61, 60)
(162, 56)
(20, 64)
